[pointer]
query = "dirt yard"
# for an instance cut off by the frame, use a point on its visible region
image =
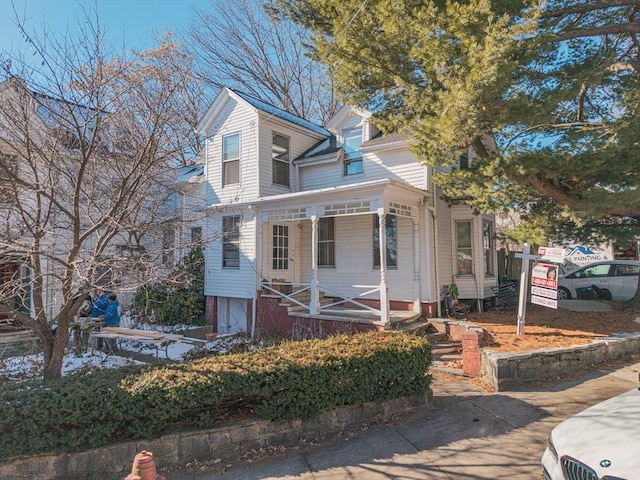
(549, 328)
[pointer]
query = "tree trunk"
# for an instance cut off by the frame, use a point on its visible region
(54, 348)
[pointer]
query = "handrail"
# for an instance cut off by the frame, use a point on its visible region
(373, 289)
(289, 296)
(306, 286)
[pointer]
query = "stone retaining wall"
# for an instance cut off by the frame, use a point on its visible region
(232, 439)
(505, 371)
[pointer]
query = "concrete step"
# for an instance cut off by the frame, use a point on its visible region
(416, 327)
(436, 337)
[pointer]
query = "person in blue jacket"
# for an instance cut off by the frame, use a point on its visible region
(100, 304)
(112, 318)
(112, 315)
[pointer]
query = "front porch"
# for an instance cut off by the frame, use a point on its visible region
(360, 254)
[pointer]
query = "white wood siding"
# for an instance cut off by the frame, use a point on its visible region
(298, 144)
(477, 284)
(446, 243)
(231, 282)
(398, 165)
(235, 118)
(354, 258)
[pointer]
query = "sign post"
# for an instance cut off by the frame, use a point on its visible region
(524, 276)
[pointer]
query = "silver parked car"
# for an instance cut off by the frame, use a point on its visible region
(599, 443)
(610, 280)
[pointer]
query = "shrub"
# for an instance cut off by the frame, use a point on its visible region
(287, 381)
(177, 300)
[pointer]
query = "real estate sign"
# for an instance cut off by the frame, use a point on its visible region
(544, 285)
(551, 254)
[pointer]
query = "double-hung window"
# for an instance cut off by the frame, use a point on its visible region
(326, 243)
(487, 245)
(391, 224)
(280, 159)
(231, 241)
(352, 156)
(464, 251)
(231, 159)
(168, 247)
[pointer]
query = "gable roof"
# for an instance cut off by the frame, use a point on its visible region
(261, 107)
(281, 114)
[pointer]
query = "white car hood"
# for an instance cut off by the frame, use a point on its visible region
(606, 432)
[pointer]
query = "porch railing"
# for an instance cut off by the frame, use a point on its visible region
(299, 288)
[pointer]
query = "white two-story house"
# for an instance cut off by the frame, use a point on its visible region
(342, 223)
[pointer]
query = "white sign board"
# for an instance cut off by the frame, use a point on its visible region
(545, 302)
(544, 292)
(551, 254)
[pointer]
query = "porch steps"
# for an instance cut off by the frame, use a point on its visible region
(447, 357)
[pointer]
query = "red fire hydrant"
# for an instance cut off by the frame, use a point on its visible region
(144, 468)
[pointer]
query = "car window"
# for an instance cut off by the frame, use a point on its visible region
(626, 270)
(592, 271)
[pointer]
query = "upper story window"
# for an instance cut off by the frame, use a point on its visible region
(488, 247)
(231, 159)
(280, 159)
(352, 155)
(464, 251)
(463, 161)
(391, 224)
(9, 163)
(231, 241)
(196, 237)
(168, 247)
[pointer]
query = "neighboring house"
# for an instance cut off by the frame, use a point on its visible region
(114, 270)
(336, 213)
(188, 195)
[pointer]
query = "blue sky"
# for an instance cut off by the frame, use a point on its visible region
(131, 22)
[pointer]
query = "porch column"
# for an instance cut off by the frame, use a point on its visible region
(384, 288)
(313, 305)
(416, 266)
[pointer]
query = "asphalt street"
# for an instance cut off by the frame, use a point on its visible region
(468, 434)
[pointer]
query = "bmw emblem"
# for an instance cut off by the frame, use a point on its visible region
(605, 463)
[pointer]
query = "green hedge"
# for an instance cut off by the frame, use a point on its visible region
(287, 381)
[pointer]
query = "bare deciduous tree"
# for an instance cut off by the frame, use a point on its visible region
(243, 47)
(89, 142)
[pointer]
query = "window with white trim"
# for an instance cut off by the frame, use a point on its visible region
(168, 247)
(464, 251)
(326, 243)
(231, 159)
(231, 241)
(392, 241)
(280, 247)
(488, 247)
(280, 159)
(352, 139)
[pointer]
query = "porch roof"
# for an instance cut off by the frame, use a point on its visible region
(339, 192)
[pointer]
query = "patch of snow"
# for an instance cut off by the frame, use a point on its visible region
(28, 367)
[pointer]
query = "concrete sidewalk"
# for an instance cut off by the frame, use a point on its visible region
(585, 305)
(469, 434)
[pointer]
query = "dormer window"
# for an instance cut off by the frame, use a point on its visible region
(352, 156)
(231, 159)
(280, 159)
